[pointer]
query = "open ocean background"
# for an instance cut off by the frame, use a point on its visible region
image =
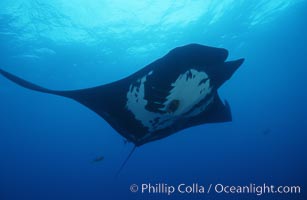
(47, 143)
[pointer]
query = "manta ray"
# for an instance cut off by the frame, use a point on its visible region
(170, 94)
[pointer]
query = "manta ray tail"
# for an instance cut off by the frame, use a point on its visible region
(95, 98)
(125, 161)
(31, 86)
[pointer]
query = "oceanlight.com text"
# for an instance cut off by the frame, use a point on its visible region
(257, 189)
(219, 188)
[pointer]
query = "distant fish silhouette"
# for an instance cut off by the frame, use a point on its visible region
(175, 92)
(98, 159)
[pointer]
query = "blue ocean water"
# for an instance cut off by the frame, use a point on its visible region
(48, 143)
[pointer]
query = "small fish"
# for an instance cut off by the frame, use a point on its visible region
(98, 159)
